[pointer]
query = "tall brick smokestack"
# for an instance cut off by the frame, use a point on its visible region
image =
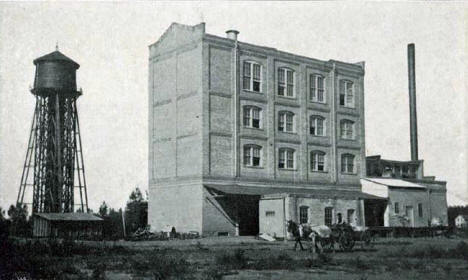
(412, 102)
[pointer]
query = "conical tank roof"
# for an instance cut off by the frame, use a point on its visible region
(56, 56)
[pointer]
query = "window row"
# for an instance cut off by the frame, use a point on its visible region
(328, 216)
(286, 123)
(287, 159)
(252, 80)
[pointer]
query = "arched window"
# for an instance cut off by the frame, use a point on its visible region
(346, 93)
(252, 155)
(286, 158)
(252, 116)
(286, 121)
(252, 76)
(303, 215)
(317, 88)
(317, 161)
(347, 129)
(317, 125)
(285, 82)
(347, 163)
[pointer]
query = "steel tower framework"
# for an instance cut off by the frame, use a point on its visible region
(53, 168)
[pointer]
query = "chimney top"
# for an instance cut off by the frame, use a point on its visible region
(232, 34)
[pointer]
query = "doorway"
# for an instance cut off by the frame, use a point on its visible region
(410, 214)
(374, 210)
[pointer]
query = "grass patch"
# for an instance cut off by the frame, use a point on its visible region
(160, 266)
(237, 260)
(433, 252)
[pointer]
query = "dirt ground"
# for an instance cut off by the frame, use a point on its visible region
(250, 258)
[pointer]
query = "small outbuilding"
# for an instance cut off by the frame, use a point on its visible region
(67, 225)
(410, 203)
(461, 221)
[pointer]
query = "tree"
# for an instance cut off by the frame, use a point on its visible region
(103, 209)
(19, 222)
(136, 195)
(136, 211)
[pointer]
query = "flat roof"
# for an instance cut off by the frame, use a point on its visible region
(261, 191)
(74, 217)
(392, 182)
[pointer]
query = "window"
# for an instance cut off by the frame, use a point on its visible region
(252, 155)
(420, 210)
(405, 170)
(339, 218)
(346, 93)
(350, 216)
(347, 163)
(286, 158)
(252, 116)
(303, 214)
(328, 216)
(396, 208)
(285, 82)
(347, 129)
(397, 171)
(269, 213)
(317, 127)
(286, 121)
(317, 161)
(317, 91)
(252, 79)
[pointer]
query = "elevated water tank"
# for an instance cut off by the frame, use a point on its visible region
(55, 73)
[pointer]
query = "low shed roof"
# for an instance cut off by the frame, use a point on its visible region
(391, 182)
(322, 193)
(73, 217)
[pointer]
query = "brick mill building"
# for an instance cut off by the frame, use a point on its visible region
(243, 137)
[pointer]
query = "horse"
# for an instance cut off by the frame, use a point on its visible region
(318, 235)
(297, 232)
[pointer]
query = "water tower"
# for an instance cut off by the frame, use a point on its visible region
(53, 169)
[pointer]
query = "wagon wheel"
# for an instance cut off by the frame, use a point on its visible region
(366, 240)
(346, 241)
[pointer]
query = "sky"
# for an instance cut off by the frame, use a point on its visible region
(110, 42)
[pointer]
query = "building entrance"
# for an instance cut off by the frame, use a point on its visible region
(374, 212)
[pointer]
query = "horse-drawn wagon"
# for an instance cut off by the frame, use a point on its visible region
(325, 237)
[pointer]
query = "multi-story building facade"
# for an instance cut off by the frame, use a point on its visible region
(231, 121)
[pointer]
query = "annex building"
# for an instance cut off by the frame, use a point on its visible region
(242, 137)
(413, 200)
